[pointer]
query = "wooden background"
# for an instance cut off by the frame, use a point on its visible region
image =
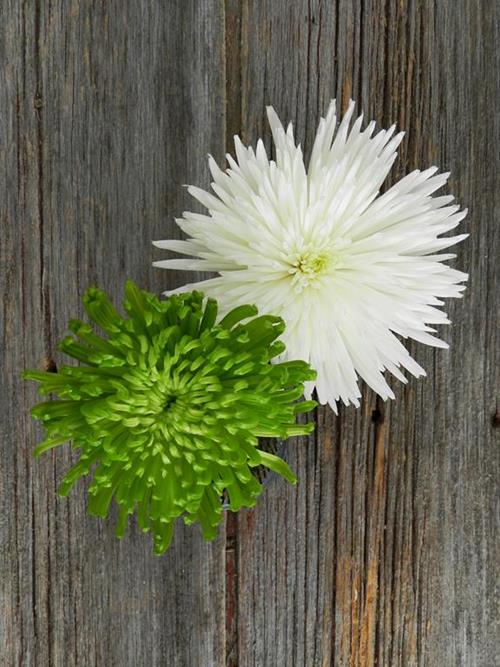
(387, 552)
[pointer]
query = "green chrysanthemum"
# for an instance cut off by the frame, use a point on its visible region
(170, 407)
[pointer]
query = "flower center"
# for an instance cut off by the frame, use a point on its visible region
(169, 403)
(307, 266)
(158, 402)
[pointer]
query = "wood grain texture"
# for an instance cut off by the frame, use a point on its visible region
(387, 552)
(107, 109)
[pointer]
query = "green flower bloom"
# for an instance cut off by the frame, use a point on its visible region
(169, 408)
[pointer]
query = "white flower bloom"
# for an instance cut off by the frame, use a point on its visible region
(351, 271)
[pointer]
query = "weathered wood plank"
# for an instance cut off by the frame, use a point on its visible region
(108, 108)
(386, 552)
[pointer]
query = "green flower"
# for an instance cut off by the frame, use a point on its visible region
(169, 408)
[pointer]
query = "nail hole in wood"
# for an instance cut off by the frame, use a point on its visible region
(377, 416)
(49, 365)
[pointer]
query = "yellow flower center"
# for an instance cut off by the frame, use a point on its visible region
(307, 266)
(312, 265)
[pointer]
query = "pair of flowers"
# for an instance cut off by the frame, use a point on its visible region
(171, 403)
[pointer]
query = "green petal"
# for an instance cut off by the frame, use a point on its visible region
(238, 314)
(277, 465)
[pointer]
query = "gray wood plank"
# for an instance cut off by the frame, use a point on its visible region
(108, 108)
(386, 552)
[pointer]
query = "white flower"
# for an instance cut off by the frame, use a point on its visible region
(351, 271)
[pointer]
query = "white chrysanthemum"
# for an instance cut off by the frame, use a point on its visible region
(350, 271)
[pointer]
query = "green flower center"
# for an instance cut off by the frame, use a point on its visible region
(169, 403)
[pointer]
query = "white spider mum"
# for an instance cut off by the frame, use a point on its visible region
(351, 271)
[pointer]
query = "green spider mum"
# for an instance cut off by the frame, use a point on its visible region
(169, 408)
